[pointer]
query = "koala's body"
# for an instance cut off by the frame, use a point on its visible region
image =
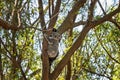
(53, 43)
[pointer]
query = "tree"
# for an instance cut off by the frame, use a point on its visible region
(23, 25)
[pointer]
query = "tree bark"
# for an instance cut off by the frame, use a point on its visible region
(1, 71)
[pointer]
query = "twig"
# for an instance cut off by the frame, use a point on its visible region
(5, 49)
(106, 50)
(96, 73)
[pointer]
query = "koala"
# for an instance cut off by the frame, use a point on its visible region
(53, 43)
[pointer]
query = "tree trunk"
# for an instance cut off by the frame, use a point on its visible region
(45, 62)
(1, 72)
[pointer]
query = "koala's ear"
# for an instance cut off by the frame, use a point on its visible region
(54, 30)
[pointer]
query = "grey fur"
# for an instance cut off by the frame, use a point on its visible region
(53, 43)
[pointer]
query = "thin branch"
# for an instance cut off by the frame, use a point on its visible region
(34, 73)
(14, 16)
(92, 72)
(19, 14)
(52, 6)
(12, 59)
(91, 10)
(106, 17)
(101, 7)
(111, 20)
(82, 65)
(106, 50)
(49, 8)
(22, 72)
(1, 64)
(7, 26)
(5, 47)
(115, 23)
(41, 14)
(22, 7)
(55, 14)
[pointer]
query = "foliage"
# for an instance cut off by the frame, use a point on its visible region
(89, 48)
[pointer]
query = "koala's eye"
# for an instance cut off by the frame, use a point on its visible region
(50, 35)
(55, 36)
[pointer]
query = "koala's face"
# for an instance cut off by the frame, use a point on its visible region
(55, 36)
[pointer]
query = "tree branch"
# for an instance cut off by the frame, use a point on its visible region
(101, 7)
(6, 25)
(5, 47)
(91, 10)
(115, 23)
(90, 15)
(111, 20)
(69, 19)
(107, 17)
(55, 14)
(41, 14)
(1, 64)
(49, 1)
(22, 72)
(34, 73)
